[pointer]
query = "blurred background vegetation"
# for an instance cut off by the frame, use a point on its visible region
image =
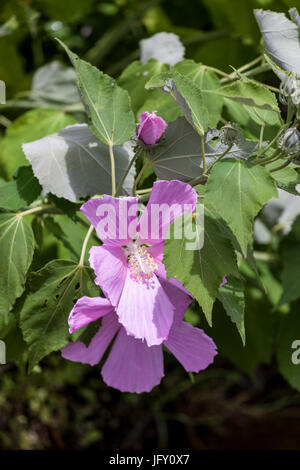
(65, 405)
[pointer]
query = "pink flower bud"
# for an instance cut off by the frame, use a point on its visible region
(151, 128)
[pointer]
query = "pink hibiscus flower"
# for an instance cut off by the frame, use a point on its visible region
(132, 366)
(128, 266)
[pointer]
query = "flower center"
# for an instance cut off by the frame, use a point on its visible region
(140, 262)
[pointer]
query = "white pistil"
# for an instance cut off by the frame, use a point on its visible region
(140, 262)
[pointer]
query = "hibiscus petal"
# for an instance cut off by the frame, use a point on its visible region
(179, 297)
(191, 346)
(174, 198)
(157, 252)
(92, 354)
(113, 218)
(109, 264)
(132, 366)
(145, 310)
(87, 310)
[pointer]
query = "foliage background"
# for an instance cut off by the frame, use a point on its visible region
(66, 405)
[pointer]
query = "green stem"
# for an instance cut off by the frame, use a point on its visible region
(144, 191)
(264, 150)
(85, 242)
(249, 64)
(134, 158)
(49, 208)
(269, 159)
(203, 154)
(250, 73)
(112, 167)
(290, 111)
(217, 71)
(219, 158)
(281, 166)
(199, 180)
(261, 136)
(139, 176)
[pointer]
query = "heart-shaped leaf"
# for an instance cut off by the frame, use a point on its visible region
(73, 164)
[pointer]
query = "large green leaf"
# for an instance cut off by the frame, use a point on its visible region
(201, 270)
(286, 178)
(205, 79)
(179, 156)
(186, 94)
(134, 78)
(165, 106)
(54, 84)
(259, 102)
(78, 165)
(71, 233)
(21, 192)
(32, 125)
(44, 315)
(16, 252)
(232, 297)
(110, 115)
(238, 190)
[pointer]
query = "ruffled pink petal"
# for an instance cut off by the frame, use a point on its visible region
(145, 310)
(113, 218)
(132, 366)
(174, 198)
(110, 266)
(92, 354)
(179, 297)
(86, 310)
(191, 346)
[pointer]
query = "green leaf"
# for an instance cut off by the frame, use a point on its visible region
(110, 115)
(16, 252)
(32, 125)
(27, 184)
(232, 297)
(78, 164)
(9, 196)
(288, 345)
(206, 80)
(238, 190)
(134, 78)
(291, 262)
(51, 295)
(260, 333)
(186, 94)
(179, 156)
(70, 233)
(165, 106)
(54, 84)
(201, 270)
(21, 192)
(259, 102)
(286, 178)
